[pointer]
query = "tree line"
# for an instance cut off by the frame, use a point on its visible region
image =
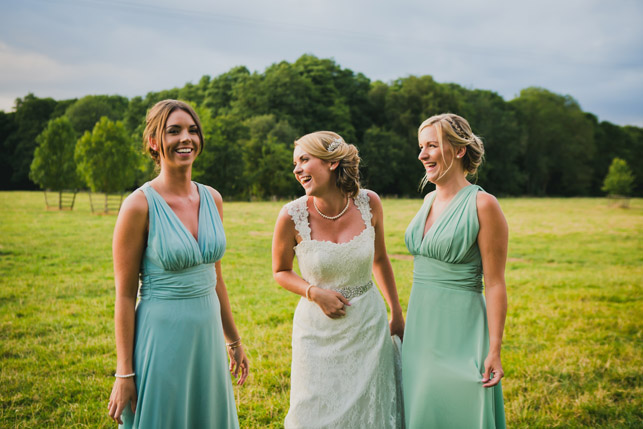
(539, 143)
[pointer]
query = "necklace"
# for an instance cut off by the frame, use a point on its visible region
(348, 202)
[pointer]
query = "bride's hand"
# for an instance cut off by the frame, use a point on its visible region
(332, 303)
(396, 325)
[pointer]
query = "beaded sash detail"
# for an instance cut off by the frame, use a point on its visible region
(353, 292)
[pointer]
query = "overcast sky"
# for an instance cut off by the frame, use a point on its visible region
(589, 49)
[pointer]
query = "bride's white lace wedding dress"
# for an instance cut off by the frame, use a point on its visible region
(342, 369)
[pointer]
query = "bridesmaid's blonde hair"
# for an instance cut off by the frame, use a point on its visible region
(457, 132)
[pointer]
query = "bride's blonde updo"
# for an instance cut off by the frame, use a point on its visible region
(457, 132)
(331, 147)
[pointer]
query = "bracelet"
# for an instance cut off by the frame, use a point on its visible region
(124, 375)
(308, 293)
(234, 344)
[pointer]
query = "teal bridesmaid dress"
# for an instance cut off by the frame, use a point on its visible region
(180, 360)
(446, 339)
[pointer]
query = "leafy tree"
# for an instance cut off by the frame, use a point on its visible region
(221, 163)
(7, 128)
(559, 143)
(31, 117)
(106, 158)
(614, 142)
(496, 122)
(195, 93)
(619, 179)
(85, 112)
(635, 160)
(221, 90)
(383, 161)
(268, 157)
(53, 166)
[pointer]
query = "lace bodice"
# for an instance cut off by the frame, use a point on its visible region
(336, 266)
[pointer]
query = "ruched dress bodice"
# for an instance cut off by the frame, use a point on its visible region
(448, 254)
(446, 338)
(179, 352)
(342, 369)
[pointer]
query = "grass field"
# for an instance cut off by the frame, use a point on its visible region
(573, 349)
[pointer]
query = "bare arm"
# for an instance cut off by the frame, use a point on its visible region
(127, 248)
(383, 270)
(238, 359)
(492, 240)
(283, 242)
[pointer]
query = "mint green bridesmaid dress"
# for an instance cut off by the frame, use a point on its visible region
(180, 360)
(446, 339)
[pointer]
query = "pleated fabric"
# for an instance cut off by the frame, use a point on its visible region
(181, 364)
(446, 339)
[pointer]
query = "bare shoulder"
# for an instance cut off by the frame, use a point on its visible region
(487, 203)
(284, 219)
(285, 231)
(376, 207)
(135, 205)
(132, 216)
(489, 210)
(430, 194)
(218, 199)
(374, 199)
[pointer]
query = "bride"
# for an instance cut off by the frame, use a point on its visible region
(342, 355)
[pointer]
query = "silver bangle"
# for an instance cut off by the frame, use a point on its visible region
(125, 375)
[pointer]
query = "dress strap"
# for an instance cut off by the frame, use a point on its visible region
(362, 202)
(298, 211)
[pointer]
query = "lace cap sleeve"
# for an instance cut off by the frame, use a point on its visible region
(362, 202)
(299, 213)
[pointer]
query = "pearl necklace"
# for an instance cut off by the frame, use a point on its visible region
(348, 202)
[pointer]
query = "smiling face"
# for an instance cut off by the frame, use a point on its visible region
(438, 158)
(181, 139)
(314, 174)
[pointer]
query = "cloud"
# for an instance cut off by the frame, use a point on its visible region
(586, 48)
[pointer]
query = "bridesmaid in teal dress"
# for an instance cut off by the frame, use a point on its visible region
(172, 367)
(451, 352)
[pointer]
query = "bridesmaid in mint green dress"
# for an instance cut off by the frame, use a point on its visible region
(451, 352)
(172, 366)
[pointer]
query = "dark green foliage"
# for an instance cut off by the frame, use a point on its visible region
(221, 163)
(540, 143)
(220, 91)
(106, 158)
(31, 117)
(635, 160)
(560, 143)
(53, 166)
(87, 111)
(268, 157)
(383, 161)
(8, 127)
(496, 122)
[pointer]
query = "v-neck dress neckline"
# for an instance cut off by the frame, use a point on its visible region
(197, 239)
(442, 215)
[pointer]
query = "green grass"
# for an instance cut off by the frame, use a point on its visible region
(572, 354)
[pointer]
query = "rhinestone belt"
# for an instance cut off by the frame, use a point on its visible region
(352, 292)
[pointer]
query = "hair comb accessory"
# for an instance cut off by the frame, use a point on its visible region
(457, 129)
(334, 144)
